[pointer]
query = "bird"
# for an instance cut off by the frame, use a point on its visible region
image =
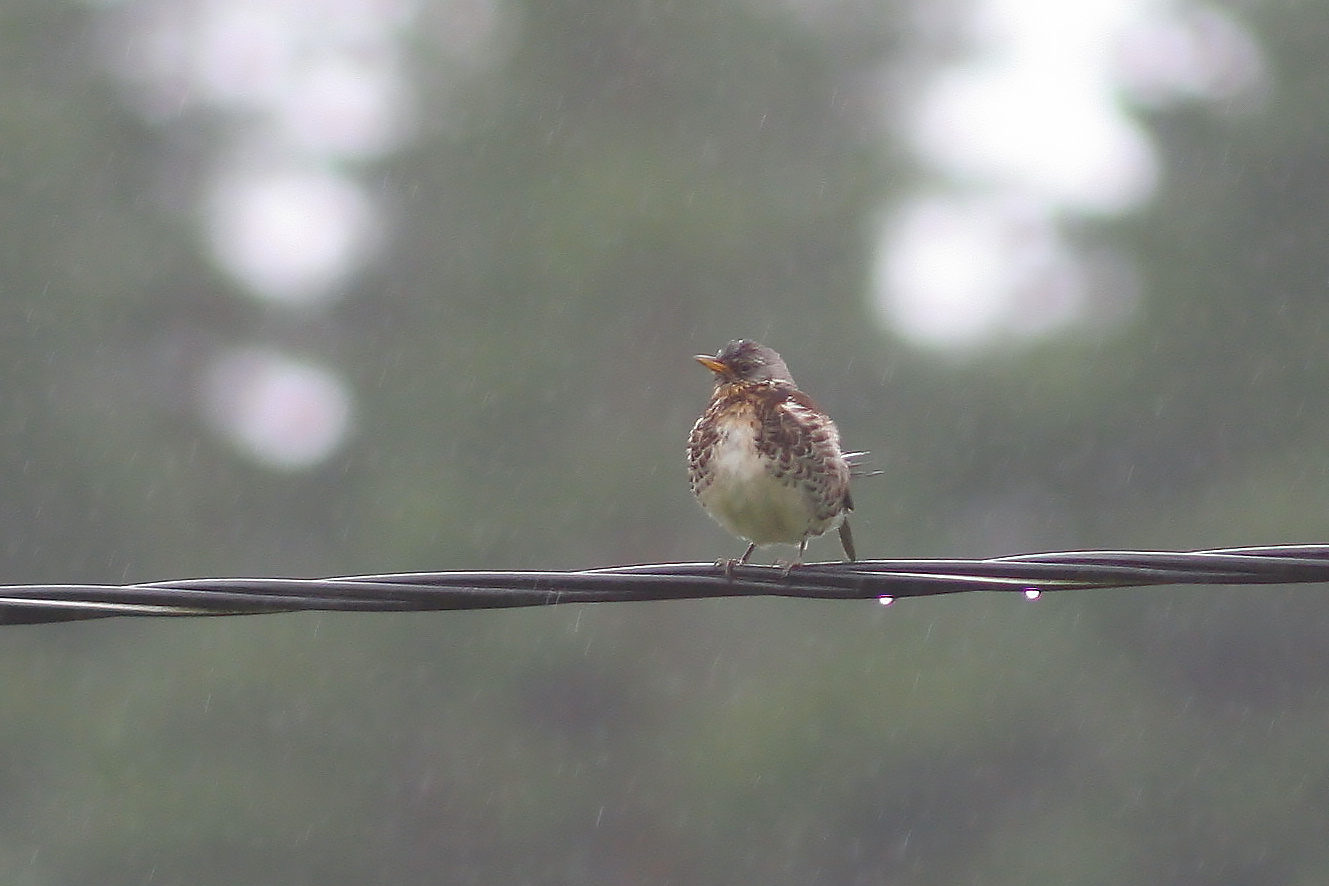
(764, 460)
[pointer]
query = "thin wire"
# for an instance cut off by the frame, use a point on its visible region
(885, 580)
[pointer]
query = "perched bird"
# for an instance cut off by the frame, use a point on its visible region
(763, 459)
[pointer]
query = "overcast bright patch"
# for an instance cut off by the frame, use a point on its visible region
(1031, 131)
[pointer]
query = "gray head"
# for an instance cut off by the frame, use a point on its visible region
(746, 360)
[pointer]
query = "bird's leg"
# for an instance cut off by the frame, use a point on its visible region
(728, 563)
(788, 567)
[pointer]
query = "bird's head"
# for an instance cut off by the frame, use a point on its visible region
(746, 361)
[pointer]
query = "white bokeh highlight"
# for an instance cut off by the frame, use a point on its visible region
(962, 268)
(1026, 136)
(296, 99)
(1058, 139)
(283, 413)
(292, 236)
(1034, 106)
(1198, 53)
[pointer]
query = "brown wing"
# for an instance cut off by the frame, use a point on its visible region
(804, 446)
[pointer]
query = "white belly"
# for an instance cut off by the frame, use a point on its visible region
(749, 502)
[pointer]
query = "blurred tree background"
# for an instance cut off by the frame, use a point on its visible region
(318, 289)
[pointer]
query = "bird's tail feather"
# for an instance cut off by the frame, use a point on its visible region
(847, 540)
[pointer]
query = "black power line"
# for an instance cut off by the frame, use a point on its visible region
(1030, 574)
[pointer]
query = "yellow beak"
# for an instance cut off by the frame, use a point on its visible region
(711, 363)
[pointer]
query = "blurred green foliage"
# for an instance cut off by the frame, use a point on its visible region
(637, 183)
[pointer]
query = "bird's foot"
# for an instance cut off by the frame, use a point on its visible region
(787, 566)
(726, 565)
